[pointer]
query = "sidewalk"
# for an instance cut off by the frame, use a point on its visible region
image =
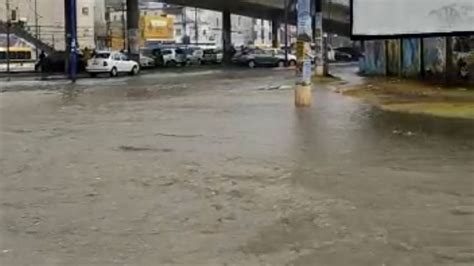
(30, 76)
(410, 96)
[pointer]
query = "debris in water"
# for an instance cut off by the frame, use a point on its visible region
(133, 148)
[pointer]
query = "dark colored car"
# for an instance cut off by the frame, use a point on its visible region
(344, 57)
(267, 57)
(56, 63)
(353, 52)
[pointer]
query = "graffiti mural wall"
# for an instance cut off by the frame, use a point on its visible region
(390, 57)
(411, 57)
(434, 56)
(374, 62)
(393, 57)
(464, 58)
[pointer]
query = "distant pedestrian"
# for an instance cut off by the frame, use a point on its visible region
(42, 64)
(41, 60)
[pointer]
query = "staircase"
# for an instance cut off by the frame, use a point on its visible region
(27, 37)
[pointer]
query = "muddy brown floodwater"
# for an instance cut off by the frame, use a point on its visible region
(220, 169)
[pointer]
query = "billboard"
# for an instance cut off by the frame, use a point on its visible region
(385, 18)
(157, 28)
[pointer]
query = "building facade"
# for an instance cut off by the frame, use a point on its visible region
(46, 19)
(196, 26)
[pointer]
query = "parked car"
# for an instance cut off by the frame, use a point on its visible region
(212, 56)
(112, 63)
(353, 52)
(56, 62)
(341, 56)
(194, 55)
(172, 57)
(147, 62)
(268, 57)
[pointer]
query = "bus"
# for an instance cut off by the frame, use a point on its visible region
(21, 59)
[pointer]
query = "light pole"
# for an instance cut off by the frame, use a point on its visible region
(286, 30)
(8, 37)
(196, 30)
(71, 37)
(36, 27)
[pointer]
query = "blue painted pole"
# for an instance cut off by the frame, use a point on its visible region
(72, 31)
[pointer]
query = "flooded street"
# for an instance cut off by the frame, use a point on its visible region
(219, 168)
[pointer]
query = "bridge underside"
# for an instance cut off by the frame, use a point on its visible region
(263, 9)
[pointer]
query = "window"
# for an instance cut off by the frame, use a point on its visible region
(268, 52)
(85, 11)
(116, 57)
(3, 55)
(102, 55)
(13, 17)
(123, 57)
(178, 32)
(166, 52)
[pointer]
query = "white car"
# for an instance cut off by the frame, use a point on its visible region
(147, 62)
(173, 57)
(112, 63)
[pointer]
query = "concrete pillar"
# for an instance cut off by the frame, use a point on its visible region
(276, 33)
(133, 19)
(227, 36)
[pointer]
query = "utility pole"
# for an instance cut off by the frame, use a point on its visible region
(71, 38)
(319, 40)
(286, 30)
(124, 27)
(8, 37)
(196, 29)
(303, 96)
(36, 27)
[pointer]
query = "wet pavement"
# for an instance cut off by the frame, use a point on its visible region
(219, 168)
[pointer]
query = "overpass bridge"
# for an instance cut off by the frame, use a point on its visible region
(336, 18)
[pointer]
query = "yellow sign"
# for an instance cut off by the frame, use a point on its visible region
(156, 27)
(300, 50)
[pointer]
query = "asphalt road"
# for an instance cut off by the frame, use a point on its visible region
(217, 167)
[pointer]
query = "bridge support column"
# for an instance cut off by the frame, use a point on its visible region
(133, 17)
(276, 33)
(227, 36)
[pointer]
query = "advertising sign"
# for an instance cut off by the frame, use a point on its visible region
(379, 18)
(157, 27)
